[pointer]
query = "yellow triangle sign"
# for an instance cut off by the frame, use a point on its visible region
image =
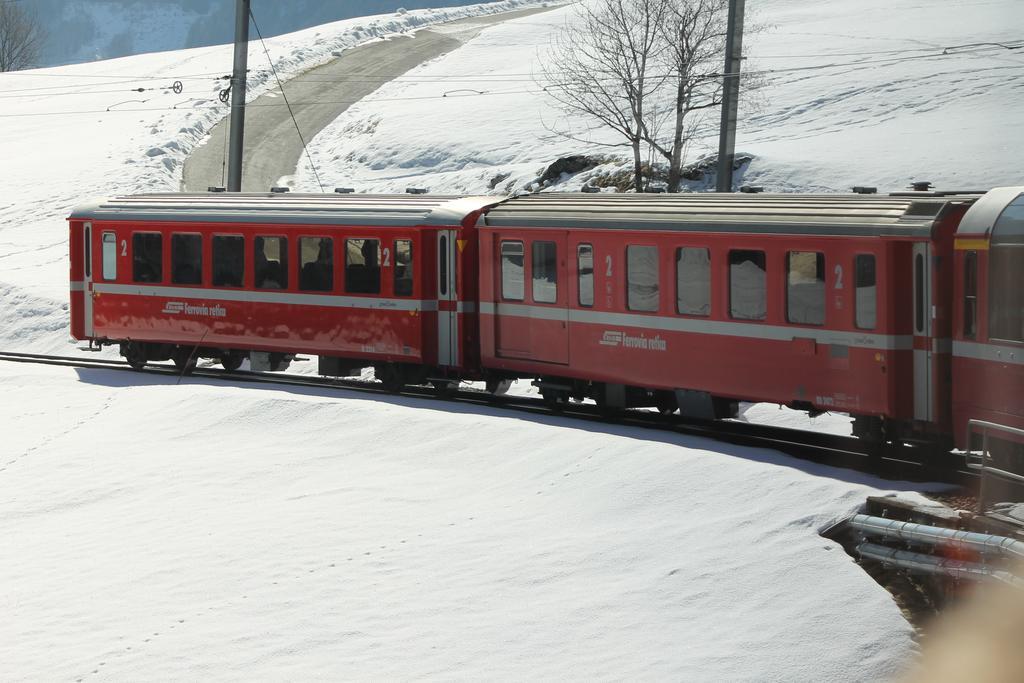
(462, 244)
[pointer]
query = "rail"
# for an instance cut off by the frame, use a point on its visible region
(983, 461)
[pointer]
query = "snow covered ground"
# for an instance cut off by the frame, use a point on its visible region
(156, 530)
(150, 529)
(857, 93)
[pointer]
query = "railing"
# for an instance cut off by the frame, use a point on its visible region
(984, 462)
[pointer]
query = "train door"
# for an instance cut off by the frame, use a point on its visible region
(531, 317)
(447, 299)
(87, 283)
(923, 316)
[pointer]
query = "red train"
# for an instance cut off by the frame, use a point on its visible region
(906, 311)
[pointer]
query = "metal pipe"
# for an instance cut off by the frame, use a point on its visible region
(934, 535)
(238, 95)
(929, 564)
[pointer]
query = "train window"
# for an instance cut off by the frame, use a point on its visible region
(147, 257)
(109, 256)
(866, 305)
(186, 259)
(748, 287)
(270, 262)
(1006, 262)
(642, 278)
(919, 294)
(585, 268)
(228, 260)
(970, 294)
(693, 281)
(88, 250)
(545, 272)
(512, 284)
(403, 267)
(362, 266)
(805, 287)
(316, 264)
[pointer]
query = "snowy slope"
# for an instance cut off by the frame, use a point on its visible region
(858, 93)
(153, 530)
(75, 132)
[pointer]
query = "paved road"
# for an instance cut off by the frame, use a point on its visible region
(272, 147)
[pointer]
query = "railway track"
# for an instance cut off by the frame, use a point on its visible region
(906, 463)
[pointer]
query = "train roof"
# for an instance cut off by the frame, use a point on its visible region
(992, 211)
(402, 210)
(819, 214)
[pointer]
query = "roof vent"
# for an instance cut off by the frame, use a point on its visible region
(344, 190)
(590, 188)
(751, 189)
(864, 189)
(416, 190)
(655, 189)
(215, 188)
(921, 186)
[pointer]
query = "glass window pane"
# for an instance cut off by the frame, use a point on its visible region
(228, 260)
(442, 268)
(186, 259)
(1006, 292)
(88, 251)
(270, 262)
(693, 281)
(362, 266)
(147, 257)
(642, 278)
(748, 290)
(585, 269)
(970, 294)
(805, 287)
(512, 284)
(316, 264)
(867, 292)
(403, 267)
(919, 294)
(109, 256)
(545, 273)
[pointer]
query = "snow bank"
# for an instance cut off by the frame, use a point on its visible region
(205, 530)
(880, 105)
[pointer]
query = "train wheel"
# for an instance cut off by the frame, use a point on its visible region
(555, 399)
(498, 387)
(391, 376)
(445, 388)
(231, 360)
(665, 402)
(135, 355)
(184, 359)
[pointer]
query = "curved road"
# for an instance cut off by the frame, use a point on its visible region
(272, 147)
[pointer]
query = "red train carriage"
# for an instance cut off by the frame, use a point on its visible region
(386, 280)
(826, 302)
(988, 330)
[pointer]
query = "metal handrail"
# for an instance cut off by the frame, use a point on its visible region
(980, 460)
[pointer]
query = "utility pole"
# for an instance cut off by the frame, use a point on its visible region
(730, 96)
(238, 95)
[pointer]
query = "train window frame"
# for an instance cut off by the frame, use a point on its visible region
(920, 316)
(544, 271)
(186, 263)
(109, 255)
(360, 276)
(263, 267)
(316, 278)
(970, 303)
(141, 256)
(507, 283)
(821, 308)
(703, 311)
(631, 286)
(585, 274)
(862, 323)
(403, 281)
(734, 312)
(223, 265)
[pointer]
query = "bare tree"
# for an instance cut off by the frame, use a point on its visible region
(21, 38)
(694, 32)
(603, 68)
